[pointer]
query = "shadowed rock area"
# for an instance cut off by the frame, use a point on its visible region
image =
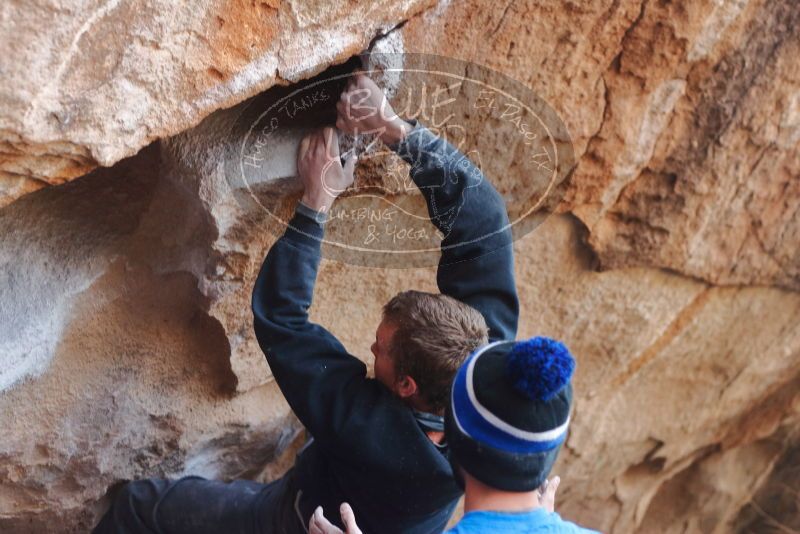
(670, 266)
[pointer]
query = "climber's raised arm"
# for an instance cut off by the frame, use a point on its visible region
(310, 365)
(477, 261)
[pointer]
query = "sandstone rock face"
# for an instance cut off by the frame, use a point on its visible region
(92, 82)
(671, 267)
(696, 164)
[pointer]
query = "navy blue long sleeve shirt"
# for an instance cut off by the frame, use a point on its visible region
(368, 448)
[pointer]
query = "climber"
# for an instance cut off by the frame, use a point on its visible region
(376, 443)
(507, 417)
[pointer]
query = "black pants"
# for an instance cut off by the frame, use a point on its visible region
(195, 505)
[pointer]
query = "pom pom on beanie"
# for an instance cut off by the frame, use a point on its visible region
(539, 367)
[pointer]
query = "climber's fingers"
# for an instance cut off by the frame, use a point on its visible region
(352, 81)
(305, 144)
(357, 79)
(313, 142)
(341, 113)
(331, 142)
(305, 152)
(343, 110)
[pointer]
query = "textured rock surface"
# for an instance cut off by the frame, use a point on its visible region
(92, 81)
(696, 163)
(672, 269)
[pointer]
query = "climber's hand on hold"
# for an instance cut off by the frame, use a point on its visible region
(320, 169)
(363, 108)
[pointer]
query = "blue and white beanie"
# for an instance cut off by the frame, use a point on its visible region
(509, 412)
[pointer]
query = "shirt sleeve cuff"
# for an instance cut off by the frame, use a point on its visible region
(305, 227)
(414, 142)
(319, 217)
(415, 127)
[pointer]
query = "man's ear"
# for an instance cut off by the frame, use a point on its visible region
(406, 387)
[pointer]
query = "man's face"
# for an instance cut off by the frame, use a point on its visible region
(384, 365)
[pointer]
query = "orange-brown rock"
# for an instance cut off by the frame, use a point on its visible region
(90, 82)
(671, 266)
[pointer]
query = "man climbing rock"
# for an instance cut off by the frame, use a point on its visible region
(376, 443)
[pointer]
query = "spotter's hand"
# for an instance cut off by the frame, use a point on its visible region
(320, 525)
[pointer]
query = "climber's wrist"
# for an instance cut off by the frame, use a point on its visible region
(394, 131)
(318, 200)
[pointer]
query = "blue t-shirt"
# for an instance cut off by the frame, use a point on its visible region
(536, 521)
